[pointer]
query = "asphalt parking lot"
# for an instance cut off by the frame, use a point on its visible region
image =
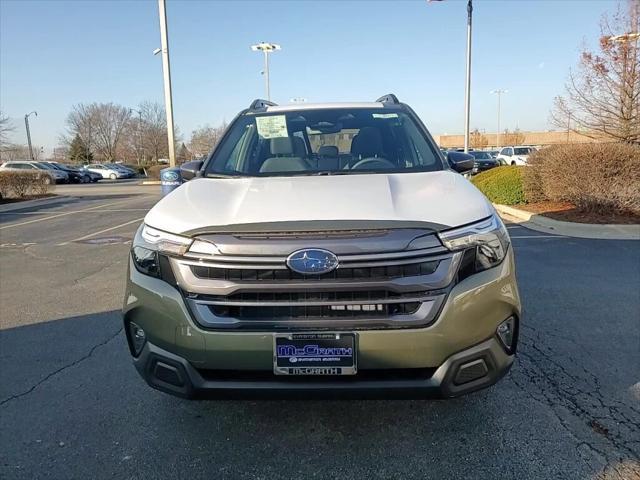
(72, 405)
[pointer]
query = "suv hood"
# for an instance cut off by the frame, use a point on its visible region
(438, 199)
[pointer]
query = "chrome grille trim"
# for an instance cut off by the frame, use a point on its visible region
(425, 314)
(439, 279)
(279, 262)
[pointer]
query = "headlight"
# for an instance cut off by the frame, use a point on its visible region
(148, 246)
(146, 261)
(164, 241)
(485, 243)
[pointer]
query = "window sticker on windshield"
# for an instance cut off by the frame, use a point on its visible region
(274, 126)
(385, 115)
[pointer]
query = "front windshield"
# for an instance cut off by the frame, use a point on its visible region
(324, 141)
(482, 155)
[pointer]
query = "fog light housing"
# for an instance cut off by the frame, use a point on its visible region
(508, 334)
(137, 338)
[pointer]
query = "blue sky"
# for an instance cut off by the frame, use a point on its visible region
(54, 54)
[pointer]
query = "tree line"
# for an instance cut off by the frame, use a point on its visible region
(109, 132)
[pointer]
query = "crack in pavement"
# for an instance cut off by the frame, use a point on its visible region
(61, 369)
(580, 395)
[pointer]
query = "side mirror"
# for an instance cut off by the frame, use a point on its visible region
(461, 162)
(191, 170)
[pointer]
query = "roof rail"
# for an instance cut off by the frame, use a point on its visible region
(388, 98)
(259, 104)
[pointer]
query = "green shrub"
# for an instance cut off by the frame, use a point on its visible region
(602, 177)
(501, 185)
(22, 183)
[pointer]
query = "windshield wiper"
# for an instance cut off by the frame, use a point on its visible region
(222, 175)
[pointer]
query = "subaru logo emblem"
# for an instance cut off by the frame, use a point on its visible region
(312, 261)
(170, 176)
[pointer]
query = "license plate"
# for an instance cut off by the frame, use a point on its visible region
(314, 354)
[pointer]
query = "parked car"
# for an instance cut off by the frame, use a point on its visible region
(106, 170)
(123, 168)
(75, 175)
(514, 155)
(483, 161)
(56, 175)
(301, 259)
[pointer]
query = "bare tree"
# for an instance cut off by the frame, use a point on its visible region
(100, 125)
(602, 96)
(6, 127)
(512, 138)
(154, 130)
(20, 152)
(478, 139)
(203, 139)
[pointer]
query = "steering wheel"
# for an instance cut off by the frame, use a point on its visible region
(371, 161)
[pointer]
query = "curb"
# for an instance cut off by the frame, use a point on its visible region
(544, 224)
(150, 182)
(9, 207)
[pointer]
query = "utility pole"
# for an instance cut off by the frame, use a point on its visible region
(168, 101)
(266, 49)
(467, 91)
(498, 92)
(26, 124)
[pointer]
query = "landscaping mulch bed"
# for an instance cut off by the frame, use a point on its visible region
(567, 212)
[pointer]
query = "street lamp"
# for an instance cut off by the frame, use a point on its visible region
(26, 124)
(467, 89)
(499, 92)
(166, 71)
(266, 49)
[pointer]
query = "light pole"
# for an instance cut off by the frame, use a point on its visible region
(26, 124)
(166, 71)
(266, 49)
(467, 90)
(499, 92)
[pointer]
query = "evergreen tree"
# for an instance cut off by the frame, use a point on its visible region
(78, 151)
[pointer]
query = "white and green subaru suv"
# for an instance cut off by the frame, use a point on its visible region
(323, 250)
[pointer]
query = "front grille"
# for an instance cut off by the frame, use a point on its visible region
(381, 282)
(275, 275)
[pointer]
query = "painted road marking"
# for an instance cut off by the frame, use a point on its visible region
(100, 231)
(539, 236)
(58, 215)
(81, 211)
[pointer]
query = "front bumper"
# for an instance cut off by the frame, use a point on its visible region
(220, 364)
(173, 374)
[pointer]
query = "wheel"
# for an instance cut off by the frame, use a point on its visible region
(113, 176)
(512, 163)
(86, 179)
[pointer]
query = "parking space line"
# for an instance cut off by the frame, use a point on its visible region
(81, 211)
(50, 217)
(538, 236)
(79, 239)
